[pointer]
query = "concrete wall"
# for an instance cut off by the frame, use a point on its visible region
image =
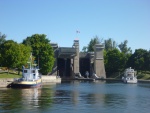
(50, 79)
(4, 82)
(54, 69)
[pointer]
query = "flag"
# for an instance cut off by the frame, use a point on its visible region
(77, 31)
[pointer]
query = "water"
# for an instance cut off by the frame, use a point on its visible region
(78, 97)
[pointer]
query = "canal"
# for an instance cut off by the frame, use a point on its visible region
(78, 97)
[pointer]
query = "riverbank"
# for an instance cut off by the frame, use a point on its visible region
(106, 79)
(4, 82)
(4, 75)
(6, 79)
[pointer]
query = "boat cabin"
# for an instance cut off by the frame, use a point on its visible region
(129, 72)
(30, 74)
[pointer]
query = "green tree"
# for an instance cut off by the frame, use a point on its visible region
(2, 38)
(123, 47)
(110, 44)
(42, 51)
(95, 40)
(114, 61)
(137, 60)
(84, 49)
(9, 54)
(13, 55)
(147, 61)
(24, 53)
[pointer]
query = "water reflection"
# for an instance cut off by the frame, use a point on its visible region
(76, 97)
(32, 99)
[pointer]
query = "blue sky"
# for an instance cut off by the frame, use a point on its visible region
(59, 19)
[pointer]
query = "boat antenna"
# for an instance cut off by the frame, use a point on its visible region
(31, 60)
(38, 63)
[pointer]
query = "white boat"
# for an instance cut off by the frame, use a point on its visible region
(129, 76)
(30, 78)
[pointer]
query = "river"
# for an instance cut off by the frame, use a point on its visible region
(78, 97)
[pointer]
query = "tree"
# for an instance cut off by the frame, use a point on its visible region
(84, 49)
(14, 55)
(9, 54)
(46, 58)
(42, 51)
(114, 61)
(24, 53)
(138, 59)
(147, 61)
(123, 47)
(91, 44)
(110, 44)
(2, 38)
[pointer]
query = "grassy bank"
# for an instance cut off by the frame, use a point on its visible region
(140, 75)
(143, 76)
(9, 75)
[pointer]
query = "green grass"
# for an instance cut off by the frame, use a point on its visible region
(9, 75)
(143, 76)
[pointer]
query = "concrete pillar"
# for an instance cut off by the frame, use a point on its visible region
(99, 67)
(54, 69)
(71, 68)
(76, 58)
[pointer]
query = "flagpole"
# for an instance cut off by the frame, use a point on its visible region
(77, 32)
(31, 61)
(30, 65)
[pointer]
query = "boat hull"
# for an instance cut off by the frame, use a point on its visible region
(130, 80)
(26, 84)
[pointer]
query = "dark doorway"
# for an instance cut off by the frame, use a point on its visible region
(84, 66)
(64, 67)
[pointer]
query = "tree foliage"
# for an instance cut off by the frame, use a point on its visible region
(42, 51)
(2, 38)
(123, 47)
(84, 49)
(110, 44)
(140, 60)
(114, 61)
(24, 54)
(95, 40)
(14, 55)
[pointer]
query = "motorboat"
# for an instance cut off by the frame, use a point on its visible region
(30, 77)
(129, 76)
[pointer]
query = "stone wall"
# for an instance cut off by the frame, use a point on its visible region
(50, 79)
(4, 82)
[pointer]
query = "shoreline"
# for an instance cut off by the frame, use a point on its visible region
(104, 79)
(4, 82)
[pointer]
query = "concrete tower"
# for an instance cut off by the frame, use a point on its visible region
(99, 61)
(76, 58)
